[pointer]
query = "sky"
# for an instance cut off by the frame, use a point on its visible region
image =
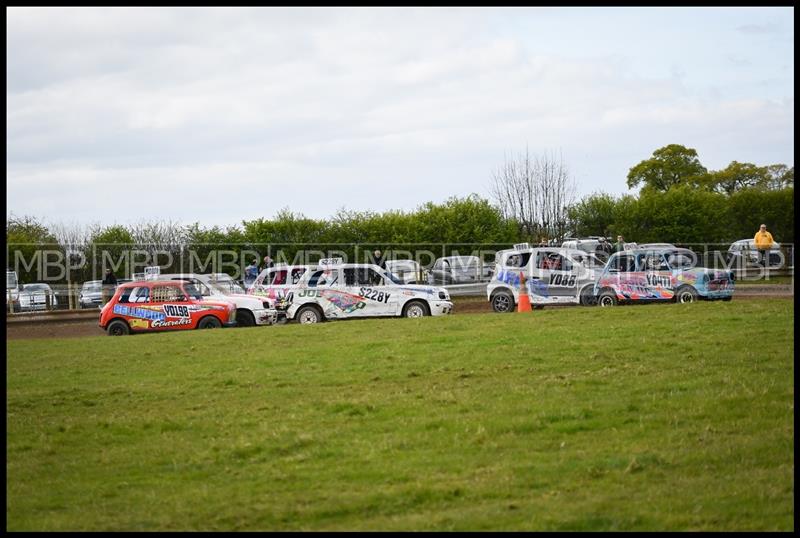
(219, 115)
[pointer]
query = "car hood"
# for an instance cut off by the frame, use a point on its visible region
(243, 301)
(423, 289)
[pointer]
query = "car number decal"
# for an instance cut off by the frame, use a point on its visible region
(567, 281)
(375, 295)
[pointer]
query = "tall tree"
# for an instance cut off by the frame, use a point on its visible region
(671, 165)
(535, 191)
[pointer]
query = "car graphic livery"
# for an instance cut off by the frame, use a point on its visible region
(553, 276)
(661, 274)
(336, 290)
(163, 305)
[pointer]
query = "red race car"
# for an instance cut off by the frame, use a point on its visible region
(163, 305)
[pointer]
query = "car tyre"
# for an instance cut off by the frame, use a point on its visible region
(415, 309)
(118, 328)
(587, 296)
(308, 314)
(209, 322)
(607, 298)
(502, 302)
(245, 318)
(685, 294)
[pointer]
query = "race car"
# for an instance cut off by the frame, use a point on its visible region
(337, 290)
(553, 276)
(660, 274)
(163, 305)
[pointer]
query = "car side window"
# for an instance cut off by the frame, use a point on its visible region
(139, 294)
(623, 264)
(297, 274)
(280, 278)
(323, 278)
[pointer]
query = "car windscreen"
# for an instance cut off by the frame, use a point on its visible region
(226, 286)
(192, 291)
(681, 261)
(392, 277)
(92, 286)
(37, 287)
(588, 260)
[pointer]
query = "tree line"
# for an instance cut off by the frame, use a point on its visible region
(680, 201)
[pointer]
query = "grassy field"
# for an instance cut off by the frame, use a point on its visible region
(655, 417)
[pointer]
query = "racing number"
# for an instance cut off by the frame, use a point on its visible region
(375, 295)
(562, 280)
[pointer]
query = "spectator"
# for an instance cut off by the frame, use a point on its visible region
(251, 273)
(268, 263)
(377, 259)
(619, 246)
(109, 285)
(763, 241)
(542, 242)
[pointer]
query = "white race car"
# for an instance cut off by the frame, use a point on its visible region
(553, 276)
(336, 290)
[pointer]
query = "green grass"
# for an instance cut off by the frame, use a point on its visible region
(655, 417)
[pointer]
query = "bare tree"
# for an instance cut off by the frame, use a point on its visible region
(535, 191)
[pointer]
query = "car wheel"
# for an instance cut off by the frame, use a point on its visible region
(415, 309)
(245, 318)
(587, 296)
(685, 294)
(308, 314)
(502, 301)
(209, 322)
(118, 328)
(607, 298)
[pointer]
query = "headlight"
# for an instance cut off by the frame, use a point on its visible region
(443, 295)
(265, 304)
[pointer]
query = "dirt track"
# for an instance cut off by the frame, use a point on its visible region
(82, 328)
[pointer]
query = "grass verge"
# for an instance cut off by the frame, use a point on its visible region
(652, 417)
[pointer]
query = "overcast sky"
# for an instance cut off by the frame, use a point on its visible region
(217, 115)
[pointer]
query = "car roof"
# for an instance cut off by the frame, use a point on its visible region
(137, 283)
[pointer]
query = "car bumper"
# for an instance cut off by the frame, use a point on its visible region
(230, 324)
(440, 308)
(265, 316)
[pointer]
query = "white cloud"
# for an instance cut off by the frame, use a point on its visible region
(323, 108)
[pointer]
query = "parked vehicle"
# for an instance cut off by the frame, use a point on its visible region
(91, 294)
(12, 291)
(37, 296)
(250, 310)
(407, 271)
(665, 274)
(743, 253)
(553, 276)
(163, 305)
(599, 246)
(459, 270)
(336, 290)
(647, 246)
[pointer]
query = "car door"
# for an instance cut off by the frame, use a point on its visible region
(658, 275)
(556, 281)
(370, 287)
(621, 275)
(175, 306)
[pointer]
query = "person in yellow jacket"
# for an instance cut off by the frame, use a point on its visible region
(763, 241)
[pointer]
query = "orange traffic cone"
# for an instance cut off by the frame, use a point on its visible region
(524, 304)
